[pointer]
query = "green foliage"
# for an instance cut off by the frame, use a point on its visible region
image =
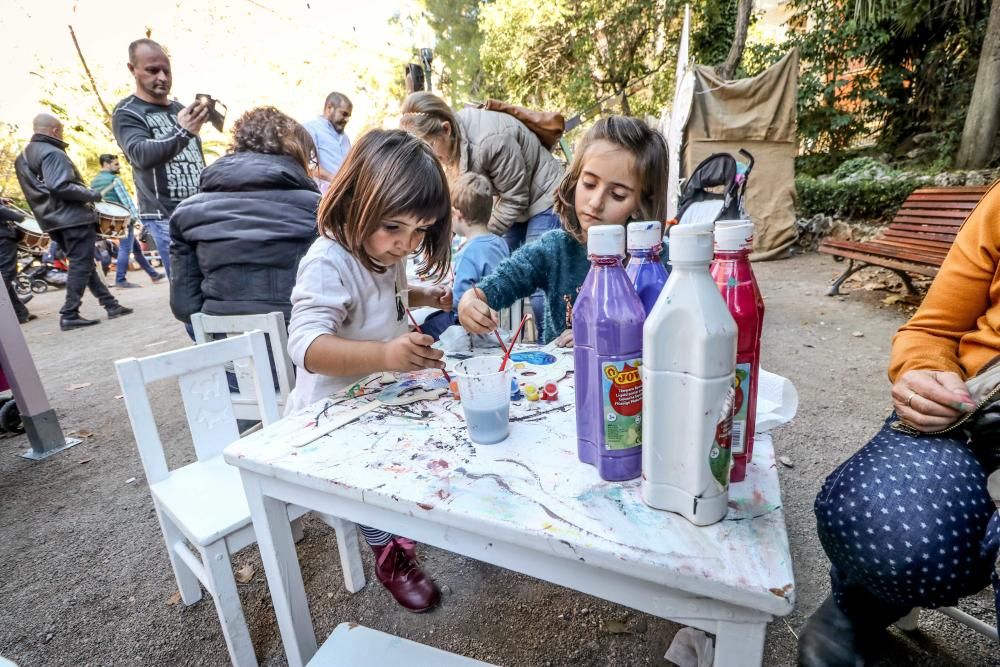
(456, 24)
(852, 200)
(883, 72)
(713, 26)
(566, 55)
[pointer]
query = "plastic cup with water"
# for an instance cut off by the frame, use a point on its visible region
(485, 392)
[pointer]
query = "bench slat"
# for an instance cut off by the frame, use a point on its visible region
(945, 239)
(953, 224)
(955, 197)
(932, 213)
(918, 241)
(875, 248)
(919, 269)
(954, 189)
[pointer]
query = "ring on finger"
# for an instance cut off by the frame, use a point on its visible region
(910, 398)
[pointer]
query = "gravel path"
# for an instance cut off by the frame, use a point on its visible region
(84, 578)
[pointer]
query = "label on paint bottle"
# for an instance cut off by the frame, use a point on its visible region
(721, 454)
(621, 397)
(744, 375)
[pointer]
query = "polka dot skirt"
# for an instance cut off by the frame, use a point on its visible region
(904, 523)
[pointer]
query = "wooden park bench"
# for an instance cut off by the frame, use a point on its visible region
(916, 241)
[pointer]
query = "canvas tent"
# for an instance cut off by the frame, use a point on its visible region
(757, 114)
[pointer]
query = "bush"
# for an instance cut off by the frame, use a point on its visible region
(852, 200)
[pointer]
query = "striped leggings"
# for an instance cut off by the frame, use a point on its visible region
(374, 536)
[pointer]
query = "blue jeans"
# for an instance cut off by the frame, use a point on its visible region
(129, 245)
(907, 522)
(160, 229)
(521, 233)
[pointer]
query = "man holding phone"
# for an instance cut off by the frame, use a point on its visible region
(159, 137)
(327, 132)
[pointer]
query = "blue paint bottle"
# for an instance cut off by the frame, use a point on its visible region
(644, 268)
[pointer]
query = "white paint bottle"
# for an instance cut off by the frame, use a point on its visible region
(689, 361)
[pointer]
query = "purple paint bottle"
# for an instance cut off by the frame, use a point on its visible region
(644, 268)
(607, 339)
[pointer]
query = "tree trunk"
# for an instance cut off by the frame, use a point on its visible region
(983, 118)
(743, 10)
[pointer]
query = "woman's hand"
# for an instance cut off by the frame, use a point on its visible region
(475, 314)
(411, 352)
(931, 400)
(565, 339)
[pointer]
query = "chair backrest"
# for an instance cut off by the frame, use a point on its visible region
(273, 325)
(511, 317)
(208, 405)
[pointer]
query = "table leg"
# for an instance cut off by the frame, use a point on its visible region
(350, 552)
(739, 644)
(284, 577)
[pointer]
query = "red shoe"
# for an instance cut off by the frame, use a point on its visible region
(397, 568)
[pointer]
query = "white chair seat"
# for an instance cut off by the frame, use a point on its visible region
(353, 645)
(205, 499)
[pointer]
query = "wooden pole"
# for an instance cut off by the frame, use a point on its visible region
(93, 84)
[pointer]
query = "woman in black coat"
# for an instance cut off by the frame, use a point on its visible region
(236, 245)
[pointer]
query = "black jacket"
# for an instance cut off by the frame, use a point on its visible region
(55, 191)
(236, 245)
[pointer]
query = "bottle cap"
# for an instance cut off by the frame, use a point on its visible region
(606, 241)
(644, 235)
(734, 235)
(692, 242)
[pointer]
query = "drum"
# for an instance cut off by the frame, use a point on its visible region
(112, 220)
(30, 237)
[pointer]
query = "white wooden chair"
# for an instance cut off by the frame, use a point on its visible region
(273, 325)
(511, 317)
(202, 504)
(909, 623)
(353, 645)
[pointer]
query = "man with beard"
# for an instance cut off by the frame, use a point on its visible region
(112, 189)
(160, 140)
(64, 208)
(327, 132)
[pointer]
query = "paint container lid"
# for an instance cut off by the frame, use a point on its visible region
(606, 241)
(692, 242)
(644, 235)
(735, 235)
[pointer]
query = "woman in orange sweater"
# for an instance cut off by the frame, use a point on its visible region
(907, 521)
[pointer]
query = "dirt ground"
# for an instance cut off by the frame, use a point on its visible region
(84, 577)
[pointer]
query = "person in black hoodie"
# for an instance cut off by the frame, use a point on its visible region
(64, 208)
(236, 245)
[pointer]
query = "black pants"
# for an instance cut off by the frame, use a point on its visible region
(78, 244)
(8, 271)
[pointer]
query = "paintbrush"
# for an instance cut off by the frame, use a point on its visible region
(510, 347)
(419, 330)
(495, 332)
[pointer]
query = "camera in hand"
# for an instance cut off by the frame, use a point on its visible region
(215, 116)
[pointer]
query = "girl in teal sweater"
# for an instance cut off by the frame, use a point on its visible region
(619, 173)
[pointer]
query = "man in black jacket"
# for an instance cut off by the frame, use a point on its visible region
(63, 206)
(160, 140)
(8, 258)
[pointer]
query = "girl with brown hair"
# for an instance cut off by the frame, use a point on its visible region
(388, 200)
(618, 174)
(521, 173)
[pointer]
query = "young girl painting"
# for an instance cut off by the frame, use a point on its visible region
(619, 173)
(389, 199)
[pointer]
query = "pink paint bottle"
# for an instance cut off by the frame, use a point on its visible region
(607, 356)
(733, 274)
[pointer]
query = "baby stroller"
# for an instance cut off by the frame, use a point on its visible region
(27, 280)
(716, 190)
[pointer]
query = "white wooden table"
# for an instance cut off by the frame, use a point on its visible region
(526, 504)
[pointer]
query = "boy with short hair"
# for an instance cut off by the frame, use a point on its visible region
(480, 252)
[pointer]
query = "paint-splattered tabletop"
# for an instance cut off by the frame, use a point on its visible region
(417, 460)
